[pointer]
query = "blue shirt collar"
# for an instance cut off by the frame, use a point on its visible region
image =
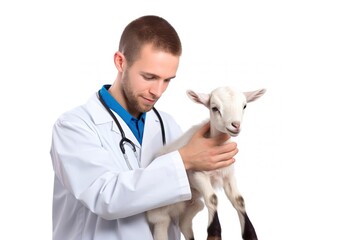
(136, 125)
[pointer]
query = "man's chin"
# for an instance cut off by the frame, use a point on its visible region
(147, 108)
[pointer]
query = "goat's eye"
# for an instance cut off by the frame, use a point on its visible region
(244, 106)
(215, 109)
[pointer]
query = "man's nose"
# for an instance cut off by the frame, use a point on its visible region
(157, 88)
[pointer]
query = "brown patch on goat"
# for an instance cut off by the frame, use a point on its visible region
(214, 200)
(240, 201)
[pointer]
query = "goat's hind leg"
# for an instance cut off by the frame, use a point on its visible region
(233, 194)
(192, 208)
(161, 228)
(160, 220)
(202, 183)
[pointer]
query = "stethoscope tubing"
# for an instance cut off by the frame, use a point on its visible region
(124, 140)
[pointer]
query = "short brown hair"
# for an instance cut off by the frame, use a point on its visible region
(149, 29)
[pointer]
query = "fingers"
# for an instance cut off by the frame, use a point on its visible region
(225, 154)
(202, 153)
(221, 156)
(227, 157)
(222, 164)
(225, 148)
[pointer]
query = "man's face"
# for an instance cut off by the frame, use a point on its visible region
(148, 77)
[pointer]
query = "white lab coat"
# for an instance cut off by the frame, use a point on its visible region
(96, 196)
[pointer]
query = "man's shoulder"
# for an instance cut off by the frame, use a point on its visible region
(80, 112)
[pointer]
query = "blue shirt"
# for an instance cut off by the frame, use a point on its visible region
(135, 125)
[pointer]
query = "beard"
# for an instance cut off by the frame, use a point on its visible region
(133, 101)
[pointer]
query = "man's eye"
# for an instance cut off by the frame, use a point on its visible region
(148, 77)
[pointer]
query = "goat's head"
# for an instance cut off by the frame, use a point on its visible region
(226, 107)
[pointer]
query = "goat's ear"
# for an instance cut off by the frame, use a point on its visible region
(201, 98)
(252, 96)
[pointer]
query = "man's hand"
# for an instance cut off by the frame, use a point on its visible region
(204, 154)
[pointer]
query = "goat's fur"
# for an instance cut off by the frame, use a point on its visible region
(226, 112)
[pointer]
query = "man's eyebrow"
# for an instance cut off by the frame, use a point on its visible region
(156, 76)
(150, 74)
(171, 77)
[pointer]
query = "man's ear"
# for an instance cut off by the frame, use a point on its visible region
(119, 61)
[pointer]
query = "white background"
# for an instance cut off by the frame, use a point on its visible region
(298, 161)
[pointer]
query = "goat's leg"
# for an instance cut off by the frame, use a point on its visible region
(249, 230)
(160, 220)
(161, 228)
(214, 230)
(202, 183)
(235, 198)
(233, 194)
(186, 218)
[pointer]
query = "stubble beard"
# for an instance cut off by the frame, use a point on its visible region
(132, 99)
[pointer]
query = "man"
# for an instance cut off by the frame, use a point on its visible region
(106, 176)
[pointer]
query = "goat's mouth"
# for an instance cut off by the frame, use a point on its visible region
(233, 133)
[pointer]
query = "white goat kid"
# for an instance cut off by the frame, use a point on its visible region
(226, 107)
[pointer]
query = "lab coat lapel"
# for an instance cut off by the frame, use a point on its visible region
(101, 116)
(152, 140)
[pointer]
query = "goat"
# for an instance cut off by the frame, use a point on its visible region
(226, 112)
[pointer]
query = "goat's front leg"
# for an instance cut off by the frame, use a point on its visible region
(202, 183)
(233, 194)
(214, 230)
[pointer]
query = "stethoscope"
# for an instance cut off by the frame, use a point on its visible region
(124, 140)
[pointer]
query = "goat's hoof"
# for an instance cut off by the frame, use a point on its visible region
(213, 238)
(214, 229)
(249, 230)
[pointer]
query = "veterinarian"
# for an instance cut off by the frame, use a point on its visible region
(103, 152)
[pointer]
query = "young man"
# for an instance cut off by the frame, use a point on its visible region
(106, 176)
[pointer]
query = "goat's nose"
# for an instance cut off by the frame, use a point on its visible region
(236, 124)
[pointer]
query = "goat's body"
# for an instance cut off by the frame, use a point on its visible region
(204, 183)
(219, 176)
(184, 211)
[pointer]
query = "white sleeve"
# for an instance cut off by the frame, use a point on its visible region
(87, 171)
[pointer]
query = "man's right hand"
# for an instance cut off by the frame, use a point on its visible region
(204, 154)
